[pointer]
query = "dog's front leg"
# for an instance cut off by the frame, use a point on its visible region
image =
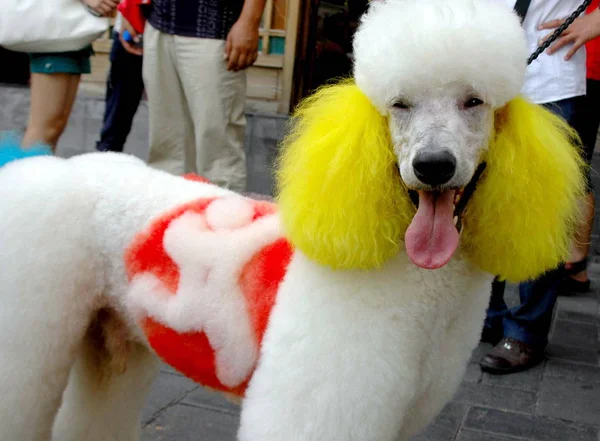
(325, 392)
(332, 368)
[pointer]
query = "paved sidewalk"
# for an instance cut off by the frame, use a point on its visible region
(557, 401)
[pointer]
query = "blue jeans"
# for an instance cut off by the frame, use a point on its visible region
(530, 321)
(124, 91)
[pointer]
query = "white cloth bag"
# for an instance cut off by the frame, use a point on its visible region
(48, 25)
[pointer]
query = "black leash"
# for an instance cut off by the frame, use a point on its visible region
(558, 32)
(466, 196)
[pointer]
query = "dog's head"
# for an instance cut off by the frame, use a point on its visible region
(431, 138)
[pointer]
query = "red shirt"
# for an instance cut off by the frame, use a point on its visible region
(593, 50)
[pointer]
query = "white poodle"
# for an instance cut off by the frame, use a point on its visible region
(346, 313)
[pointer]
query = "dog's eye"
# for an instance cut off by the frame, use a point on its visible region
(473, 102)
(403, 105)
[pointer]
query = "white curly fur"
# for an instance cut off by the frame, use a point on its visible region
(405, 46)
(347, 355)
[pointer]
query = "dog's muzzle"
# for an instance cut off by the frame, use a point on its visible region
(463, 197)
(434, 168)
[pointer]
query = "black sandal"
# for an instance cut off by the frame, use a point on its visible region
(571, 286)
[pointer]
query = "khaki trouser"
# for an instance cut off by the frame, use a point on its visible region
(196, 107)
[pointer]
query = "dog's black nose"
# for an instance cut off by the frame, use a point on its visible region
(434, 167)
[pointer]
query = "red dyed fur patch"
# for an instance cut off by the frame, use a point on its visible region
(196, 178)
(147, 254)
(259, 280)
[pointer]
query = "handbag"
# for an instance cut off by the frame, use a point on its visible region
(48, 25)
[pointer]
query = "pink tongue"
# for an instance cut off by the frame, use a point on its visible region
(432, 238)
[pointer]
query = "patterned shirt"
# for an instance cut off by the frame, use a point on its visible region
(195, 18)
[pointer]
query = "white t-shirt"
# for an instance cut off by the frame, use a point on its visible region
(551, 78)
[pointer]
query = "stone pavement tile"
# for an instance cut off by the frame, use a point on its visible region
(435, 433)
(472, 435)
(71, 141)
(138, 142)
(186, 423)
(445, 425)
(262, 138)
(167, 390)
(593, 265)
(578, 355)
(528, 427)
(78, 112)
(473, 374)
(528, 380)
(497, 397)
(572, 372)
(480, 351)
(94, 108)
(577, 401)
(584, 305)
(14, 108)
(91, 133)
(575, 334)
(206, 399)
(582, 317)
(164, 367)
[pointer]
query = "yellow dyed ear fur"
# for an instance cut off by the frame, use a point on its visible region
(340, 195)
(520, 219)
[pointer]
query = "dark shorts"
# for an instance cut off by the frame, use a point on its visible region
(582, 114)
(77, 62)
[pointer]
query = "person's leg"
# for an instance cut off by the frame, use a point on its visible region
(497, 310)
(587, 124)
(124, 89)
(530, 321)
(526, 326)
(216, 99)
(52, 98)
(171, 127)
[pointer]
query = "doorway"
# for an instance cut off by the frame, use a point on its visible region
(324, 52)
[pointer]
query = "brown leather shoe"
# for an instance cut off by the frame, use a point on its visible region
(511, 356)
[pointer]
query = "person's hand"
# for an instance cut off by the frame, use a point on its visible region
(582, 30)
(128, 46)
(103, 7)
(241, 46)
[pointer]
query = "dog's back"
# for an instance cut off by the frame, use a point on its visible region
(65, 335)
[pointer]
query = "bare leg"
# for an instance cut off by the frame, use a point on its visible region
(52, 98)
(581, 243)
